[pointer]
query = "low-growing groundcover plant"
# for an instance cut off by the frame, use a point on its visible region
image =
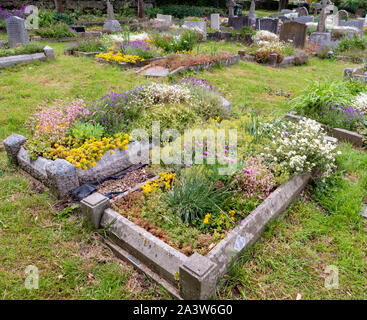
(177, 106)
(337, 104)
(59, 30)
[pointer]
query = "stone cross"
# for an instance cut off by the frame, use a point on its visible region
(17, 33)
(252, 8)
(110, 13)
(321, 26)
(230, 5)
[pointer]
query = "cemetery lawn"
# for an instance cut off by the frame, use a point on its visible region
(322, 228)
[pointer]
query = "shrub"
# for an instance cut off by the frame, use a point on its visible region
(140, 48)
(91, 45)
(59, 30)
(169, 43)
(262, 55)
(182, 11)
(318, 96)
(299, 147)
(349, 43)
(32, 47)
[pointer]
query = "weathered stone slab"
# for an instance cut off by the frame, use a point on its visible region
(267, 24)
(25, 58)
(250, 229)
(320, 38)
(214, 21)
(12, 145)
(155, 253)
(112, 26)
(359, 23)
(114, 163)
(156, 72)
(36, 168)
(305, 19)
(198, 26)
(17, 33)
(294, 32)
(167, 19)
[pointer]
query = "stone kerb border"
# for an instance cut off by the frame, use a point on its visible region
(61, 176)
(288, 61)
(351, 74)
(48, 52)
(341, 134)
(197, 276)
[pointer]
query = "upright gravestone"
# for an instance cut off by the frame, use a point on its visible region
(302, 12)
(294, 32)
(267, 24)
(214, 21)
(111, 25)
(17, 33)
(230, 5)
(320, 38)
(198, 26)
(166, 19)
(321, 26)
(359, 23)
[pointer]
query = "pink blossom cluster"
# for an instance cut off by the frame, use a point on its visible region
(56, 120)
(255, 179)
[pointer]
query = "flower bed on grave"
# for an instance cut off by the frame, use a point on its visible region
(341, 106)
(94, 139)
(192, 207)
(267, 49)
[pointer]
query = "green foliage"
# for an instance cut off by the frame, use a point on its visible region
(59, 30)
(85, 130)
(349, 43)
(185, 41)
(32, 47)
(48, 18)
(247, 30)
(195, 194)
(318, 96)
(353, 5)
(91, 45)
(152, 12)
(182, 11)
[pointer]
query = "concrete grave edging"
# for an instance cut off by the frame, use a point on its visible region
(197, 276)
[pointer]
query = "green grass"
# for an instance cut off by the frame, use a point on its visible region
(292, 255)
(323, 228)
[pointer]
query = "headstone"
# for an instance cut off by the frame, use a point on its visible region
(214, 21)
(348, 32)
(199, 26)
(320, 37)
(331, 9)
(164, 18)
(17, 33)
(343, 15)
(267, 24)
(359, 23)
(111, 25)
(291, 16)
(305, 19)
(294, 32)
(317, 8)
(239, 22)
(284, 11)
(302, 12)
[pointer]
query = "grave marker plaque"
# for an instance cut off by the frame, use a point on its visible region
(294, 32)
(17, 33)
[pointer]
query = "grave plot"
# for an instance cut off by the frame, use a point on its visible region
(27, 53)
(268, 49)
(182, 62)
(339, 106)
(187, 225)
(72, 143)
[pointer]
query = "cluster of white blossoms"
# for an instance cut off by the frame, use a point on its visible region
(267, 36)
(300, 147)
(160, 93)
(360, 102)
